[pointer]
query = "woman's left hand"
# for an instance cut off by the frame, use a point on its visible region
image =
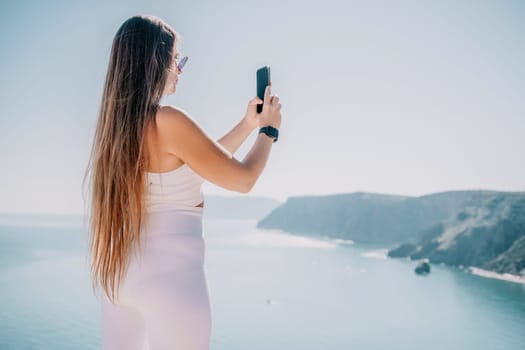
(252, 117)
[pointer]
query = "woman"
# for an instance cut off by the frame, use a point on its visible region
(148, 163)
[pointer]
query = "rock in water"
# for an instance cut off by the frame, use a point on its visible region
(423, 268)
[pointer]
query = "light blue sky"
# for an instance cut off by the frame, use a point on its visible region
(399, 97)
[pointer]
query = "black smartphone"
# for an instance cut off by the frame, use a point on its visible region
(263, 80)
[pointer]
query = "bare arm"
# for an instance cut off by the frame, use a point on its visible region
(236, 136)
(184, 138)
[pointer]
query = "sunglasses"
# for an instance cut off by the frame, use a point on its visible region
(182, 62)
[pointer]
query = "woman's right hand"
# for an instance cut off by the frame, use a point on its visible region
(271, 112)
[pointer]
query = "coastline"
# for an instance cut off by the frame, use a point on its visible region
(495, 275)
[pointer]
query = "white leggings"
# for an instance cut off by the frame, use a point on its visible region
(163, 300)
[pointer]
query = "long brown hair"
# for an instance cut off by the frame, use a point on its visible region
(141, 55)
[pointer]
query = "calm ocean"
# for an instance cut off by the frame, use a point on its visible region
(268, 290)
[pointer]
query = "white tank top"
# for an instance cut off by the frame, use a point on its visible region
(176, 189)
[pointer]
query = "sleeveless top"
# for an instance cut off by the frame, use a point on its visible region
(179, 189)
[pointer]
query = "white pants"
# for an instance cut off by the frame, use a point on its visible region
(163, 300)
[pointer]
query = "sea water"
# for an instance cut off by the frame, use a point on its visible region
(268, 290)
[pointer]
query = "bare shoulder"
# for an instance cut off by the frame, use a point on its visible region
(177, 125)
(182, 134)
(170, 115)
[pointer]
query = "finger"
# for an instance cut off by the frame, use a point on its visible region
(275, 99)
(267, 95)
(256, 100)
